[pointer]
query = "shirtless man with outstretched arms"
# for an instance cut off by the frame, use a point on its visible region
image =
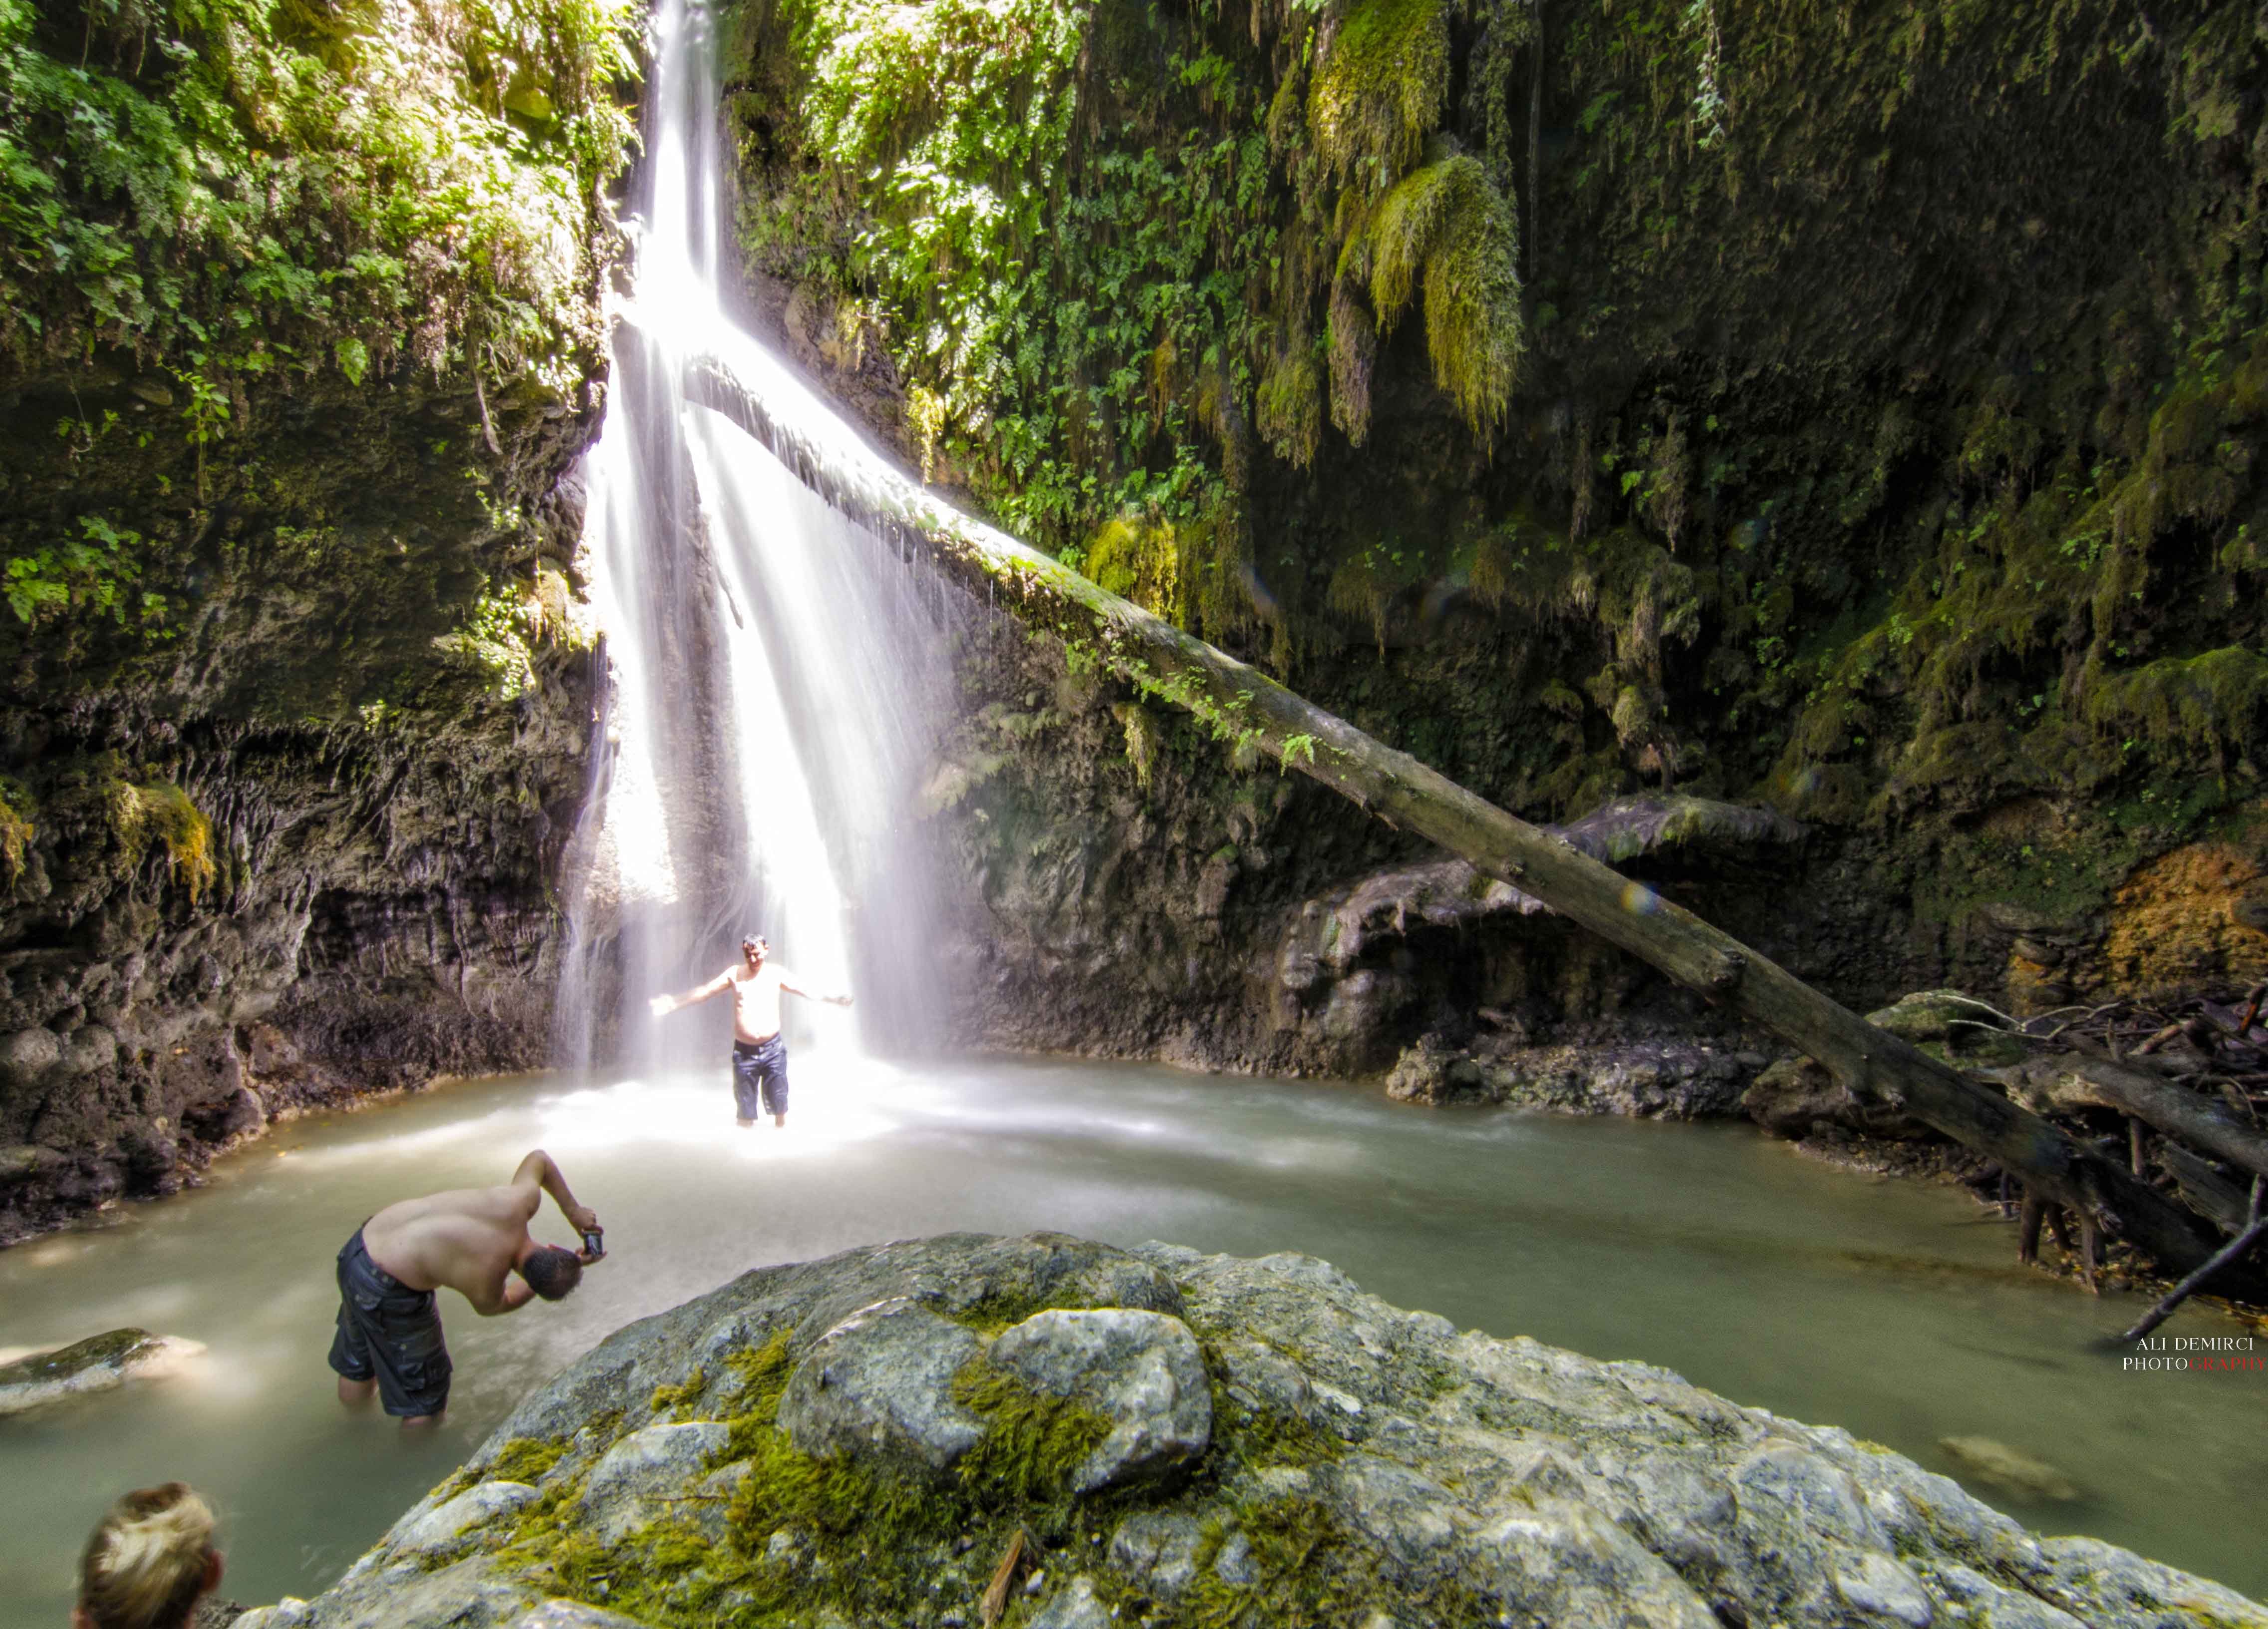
(470, 1240)
(759, 1051)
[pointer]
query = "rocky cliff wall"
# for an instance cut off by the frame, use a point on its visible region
(302, 349)
(1845, 410)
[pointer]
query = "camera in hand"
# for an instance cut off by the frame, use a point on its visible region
(593, 1241)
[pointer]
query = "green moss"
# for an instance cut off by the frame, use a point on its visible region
(1139, 559)
(1379, 88)
(669, 1399)
(161, 815)
(1307, 1569)
(2209, 703)
(1290, 406)
(16, 828)
(1279, 1437)
(524, 1459)
(1448, 226)
(996, 1311)
(762, 1373)
(1032, 1444)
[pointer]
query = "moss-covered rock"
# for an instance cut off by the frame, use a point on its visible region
(1365, 1464)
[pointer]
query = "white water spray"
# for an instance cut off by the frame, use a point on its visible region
(772, 675)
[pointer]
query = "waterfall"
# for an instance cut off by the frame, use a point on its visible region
(772, 673)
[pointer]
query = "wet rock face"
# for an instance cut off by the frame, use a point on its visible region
(1335, 1460)
(1669, 1078)
(298, 844)
(1129, 888)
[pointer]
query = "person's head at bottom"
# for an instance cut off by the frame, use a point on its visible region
(552, 1272)
(149, 1563)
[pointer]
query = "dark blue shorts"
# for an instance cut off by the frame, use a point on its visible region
(391, 1333)
(760, 1076)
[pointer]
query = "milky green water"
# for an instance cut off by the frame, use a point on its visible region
(1892, 1310)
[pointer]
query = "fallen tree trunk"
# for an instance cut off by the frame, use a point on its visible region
(2072, 1082)
(2204, 1190)
(1246, 708)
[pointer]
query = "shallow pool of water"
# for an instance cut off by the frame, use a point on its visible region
(1892, 1310)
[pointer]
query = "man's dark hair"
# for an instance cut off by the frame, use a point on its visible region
(551, 1271)
(749, 941)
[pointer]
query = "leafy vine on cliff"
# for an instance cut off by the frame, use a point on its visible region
(241, 187)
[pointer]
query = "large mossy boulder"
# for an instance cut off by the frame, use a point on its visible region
(1156, 1436)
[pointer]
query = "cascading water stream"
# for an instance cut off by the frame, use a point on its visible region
(772, 675)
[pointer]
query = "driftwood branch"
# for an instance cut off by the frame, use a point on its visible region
(2071, 1081)
(2221, 1261)
(1247, 707)
(2204, 1190)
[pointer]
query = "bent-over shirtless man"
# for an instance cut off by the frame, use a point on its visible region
(759, 1051)
(470, 1240)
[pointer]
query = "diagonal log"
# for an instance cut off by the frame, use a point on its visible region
(2071, 1081)
(1245, 706)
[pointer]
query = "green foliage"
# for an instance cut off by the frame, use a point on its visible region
(1099, 281)
(241, 187)
(1378, 90)
(494, 643)
(91, 574)
(1448, 223)
(161, 815)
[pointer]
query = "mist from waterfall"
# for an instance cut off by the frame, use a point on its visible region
(774, 671)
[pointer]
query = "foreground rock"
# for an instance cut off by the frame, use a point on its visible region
(1181, 1440)
(100, 1363)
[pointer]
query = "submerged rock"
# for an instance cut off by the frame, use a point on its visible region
(99, 1363)
(1351, 1463)
(2011, 1470)
(1664, 1078)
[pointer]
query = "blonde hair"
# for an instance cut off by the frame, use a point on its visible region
(146, 1566)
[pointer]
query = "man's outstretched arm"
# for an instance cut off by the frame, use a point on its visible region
(790, 983)
(661, 1006)
(540, 1170)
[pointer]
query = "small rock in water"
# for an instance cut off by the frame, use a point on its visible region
(100, 1363)
(2010, 1470)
